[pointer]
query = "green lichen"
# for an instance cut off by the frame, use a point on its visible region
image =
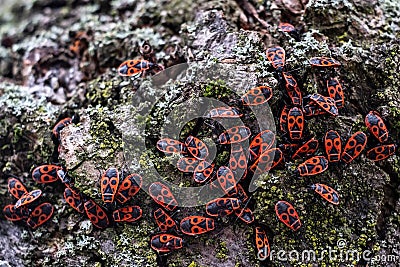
(103, 91)
(134, 241)
(222, 251)
(217, 89)
(24, 119)
(249, 49)
(193, 264)
(187, 129)
(105, 135)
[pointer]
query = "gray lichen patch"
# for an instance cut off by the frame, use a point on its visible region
(25, 123)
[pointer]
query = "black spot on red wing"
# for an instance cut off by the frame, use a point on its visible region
(256, 91)
(352, 143)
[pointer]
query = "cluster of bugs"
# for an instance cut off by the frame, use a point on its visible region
(115, 193)
(263, 156)
(229, 179)
(27, 207)
(379, 131)
(195, 160)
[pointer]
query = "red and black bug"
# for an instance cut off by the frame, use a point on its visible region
(28, 198)
(328, 193)
(170, 146)
(55, 133)
(203, 165)
(166, 243)
(203, 171)
(312, 166)
(109, 185)
(226, 179)
(13, 214)
(40, 215)
(283, 119)
(288, 215)
(290, 29)
(245, 214)
(164, 221)
(237, 159)
(333, 146)
(312, 109)
(80, 43)
(16, 188)
(63, 176)
(239, 193)
(129, 187)
(127, 214)
(223, 112)
(335, 91)
(324, 62)
(376, 126)
(163, 196)
(286, 27)
(136, 67)
(295, 123)
(261, 143)
(381, 152)
(222, 206)
(74, 199)
(307, 149)
(288, 148)
(195, 225)
(96, 214)
(187, 164)
(262, 243)
(354, 146)
(325, 103)
(276, 55)
(234, 135)
(257, 96)
(292, 89)
(81, 39)
(196, 147)
(267, 161)
(46, 173)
